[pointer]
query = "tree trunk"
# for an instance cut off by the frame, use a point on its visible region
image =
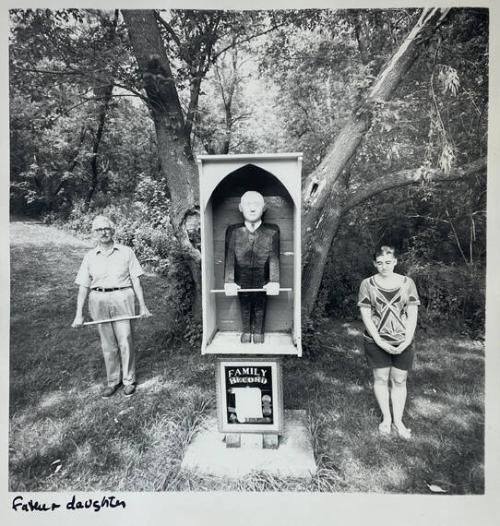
(323, 191)
(103, 91)
(227, 97)
(174, 147)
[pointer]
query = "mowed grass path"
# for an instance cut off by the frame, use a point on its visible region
(63, 436)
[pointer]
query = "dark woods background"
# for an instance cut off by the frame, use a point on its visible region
(104, 121)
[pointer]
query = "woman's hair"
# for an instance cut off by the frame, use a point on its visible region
(383, 250)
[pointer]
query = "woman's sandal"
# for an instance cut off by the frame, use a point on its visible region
(403, 432)
(384, 428)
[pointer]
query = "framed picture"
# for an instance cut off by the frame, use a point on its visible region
(249, 395)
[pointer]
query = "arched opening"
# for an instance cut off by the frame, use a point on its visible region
(224, 204)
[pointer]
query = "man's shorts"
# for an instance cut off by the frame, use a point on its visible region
(377, 358)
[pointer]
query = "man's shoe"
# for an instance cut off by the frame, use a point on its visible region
(258, 338)
(246, 337)
(129, 390)
(110, 391)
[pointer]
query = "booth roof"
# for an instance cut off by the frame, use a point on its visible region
(232, 157)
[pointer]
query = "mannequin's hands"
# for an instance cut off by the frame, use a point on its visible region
(231, 289)
(272, 288)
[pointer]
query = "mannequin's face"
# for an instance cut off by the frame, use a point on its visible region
(252, 206)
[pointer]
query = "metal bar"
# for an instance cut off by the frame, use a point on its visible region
(112, 319)
(251, 290)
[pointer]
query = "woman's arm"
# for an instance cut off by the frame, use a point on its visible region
(411, 325)
(366, 315)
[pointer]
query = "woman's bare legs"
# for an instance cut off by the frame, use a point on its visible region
(398, 398)
(381, 390)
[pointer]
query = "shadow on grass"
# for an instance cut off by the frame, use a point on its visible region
(59, 419)
(445, 410)
(62, 435)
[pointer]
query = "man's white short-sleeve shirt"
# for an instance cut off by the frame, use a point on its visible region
(108, 270)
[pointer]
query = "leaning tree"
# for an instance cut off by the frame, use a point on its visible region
(325, 196)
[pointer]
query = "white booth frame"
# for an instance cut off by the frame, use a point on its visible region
(287, 168)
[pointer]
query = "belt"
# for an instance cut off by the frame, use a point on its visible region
(100, 289)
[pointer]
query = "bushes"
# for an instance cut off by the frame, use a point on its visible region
(142, 222)
(450, 293)
(453, 294)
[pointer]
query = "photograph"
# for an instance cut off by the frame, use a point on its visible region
(248, 251)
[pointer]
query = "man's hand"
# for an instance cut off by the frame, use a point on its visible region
(78, 321)
(272, 288)
(144, 312)
(231, 289)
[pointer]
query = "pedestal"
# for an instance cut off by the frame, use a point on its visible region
(208, 454)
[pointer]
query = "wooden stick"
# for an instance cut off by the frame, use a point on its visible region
(251, 290)
(112, 319)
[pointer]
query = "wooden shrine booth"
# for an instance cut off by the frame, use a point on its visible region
(223, 180)
(249, 378)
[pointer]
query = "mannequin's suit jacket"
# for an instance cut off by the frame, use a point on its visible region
(252, 258)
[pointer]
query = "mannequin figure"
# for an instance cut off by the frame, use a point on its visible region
(252, 262)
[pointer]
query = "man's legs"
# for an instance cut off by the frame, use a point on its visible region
(123, 304)
(99, 310)
(124, 336)
(110, 353)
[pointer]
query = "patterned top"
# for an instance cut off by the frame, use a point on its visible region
(388, 307)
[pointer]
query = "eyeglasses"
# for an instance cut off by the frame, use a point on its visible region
(101, 230)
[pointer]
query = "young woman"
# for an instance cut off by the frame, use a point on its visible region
(389, 307)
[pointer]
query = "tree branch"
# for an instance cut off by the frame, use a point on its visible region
(457, 239)
(326, 174)
(67, 111)
(201, 70)
(135, 93)
(407, 177)
(49, 71)
(236, 43)
(169, 29)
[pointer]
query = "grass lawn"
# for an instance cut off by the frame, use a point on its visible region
(63, 436)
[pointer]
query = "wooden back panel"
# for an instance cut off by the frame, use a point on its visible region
(280, 211)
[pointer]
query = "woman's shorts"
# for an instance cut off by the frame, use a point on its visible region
(377, 358)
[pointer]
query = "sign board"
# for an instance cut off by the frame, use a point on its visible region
(249, 395)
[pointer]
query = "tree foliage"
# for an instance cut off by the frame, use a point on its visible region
(104, 103)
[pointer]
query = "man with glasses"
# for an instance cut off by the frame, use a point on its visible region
(109, 276)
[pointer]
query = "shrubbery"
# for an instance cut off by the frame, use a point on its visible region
(450, 294)
(142, 222)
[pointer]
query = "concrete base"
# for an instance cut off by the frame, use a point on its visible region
(294, 457)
